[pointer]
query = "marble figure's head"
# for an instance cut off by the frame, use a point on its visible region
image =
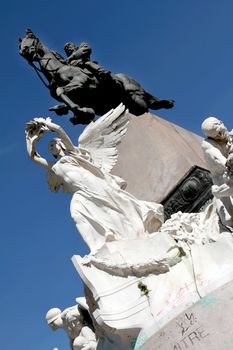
(57, 147)
(215, 129)
(53, 318)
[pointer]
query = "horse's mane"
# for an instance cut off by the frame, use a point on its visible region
(59, 57)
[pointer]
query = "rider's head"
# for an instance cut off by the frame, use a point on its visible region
(86, 50)
(57, 147)
(69, 48)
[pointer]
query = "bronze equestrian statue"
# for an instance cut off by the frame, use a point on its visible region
(82, 85)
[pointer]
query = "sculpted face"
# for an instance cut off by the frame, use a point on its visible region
(215, 129)
(56, 324)
(220, 130)
(69, 48)
(56, 147)
(53, 318)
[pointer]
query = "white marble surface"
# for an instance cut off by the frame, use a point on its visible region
(80, 333)
(101, 209)
(137, 283)
(217, 151)
(140, 271)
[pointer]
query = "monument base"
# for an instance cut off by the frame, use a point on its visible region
(136, 287)
(204, 326)
(164, 151)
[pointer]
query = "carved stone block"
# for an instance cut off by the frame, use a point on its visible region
(190, 194)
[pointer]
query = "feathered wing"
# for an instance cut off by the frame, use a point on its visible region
(101, 137)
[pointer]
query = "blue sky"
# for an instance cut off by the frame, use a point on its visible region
(177, 49)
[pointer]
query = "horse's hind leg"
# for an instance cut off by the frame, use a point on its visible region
(156, 103)
(139, 98)
(134, 95)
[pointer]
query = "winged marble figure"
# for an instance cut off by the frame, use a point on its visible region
(100, 207)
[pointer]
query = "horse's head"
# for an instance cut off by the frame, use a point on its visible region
(28, 46)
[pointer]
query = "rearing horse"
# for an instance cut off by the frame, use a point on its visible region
(80, 90)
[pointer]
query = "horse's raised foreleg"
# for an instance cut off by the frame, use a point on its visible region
(60, 93)
(82, 115)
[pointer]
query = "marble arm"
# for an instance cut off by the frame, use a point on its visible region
(86, 340)
(34, 155)
(214, 157)
(223, 190)
(60, 131)
(82, 52)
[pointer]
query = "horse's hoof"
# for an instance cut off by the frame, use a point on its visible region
(60, 109)
(84, 119)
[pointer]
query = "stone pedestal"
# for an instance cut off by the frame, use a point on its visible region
(167, 289)
(155, 155)
(207, 325)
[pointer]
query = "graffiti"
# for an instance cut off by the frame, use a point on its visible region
(191, 339)
(191, 332)
(186, 322)
(178, 295)
(162, 334)
(208, 300)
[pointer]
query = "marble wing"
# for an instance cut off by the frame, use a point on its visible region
(101, 137)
